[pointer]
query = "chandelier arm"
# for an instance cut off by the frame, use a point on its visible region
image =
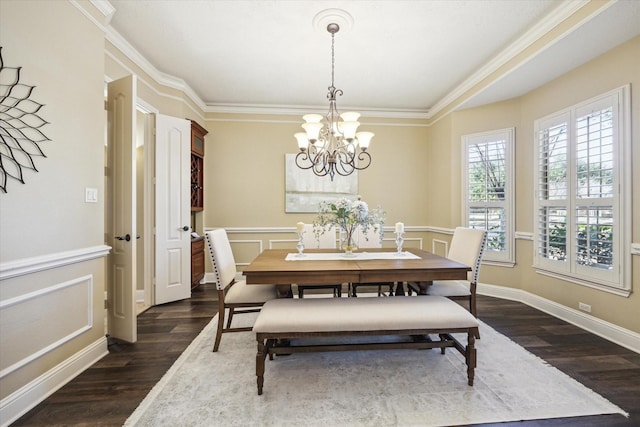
(320, 163)
(342, 171)
(301, 158)
(364, 156)
(320, 169)
(345, 164)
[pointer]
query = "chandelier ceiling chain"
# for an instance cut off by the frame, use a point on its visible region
(332, 145)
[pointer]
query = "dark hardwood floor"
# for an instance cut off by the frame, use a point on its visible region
(108, 392)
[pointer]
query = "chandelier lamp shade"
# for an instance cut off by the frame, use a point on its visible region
(330, 144)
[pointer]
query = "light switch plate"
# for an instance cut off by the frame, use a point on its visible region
(91, 195)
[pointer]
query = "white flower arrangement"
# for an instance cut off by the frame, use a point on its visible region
(347, 215)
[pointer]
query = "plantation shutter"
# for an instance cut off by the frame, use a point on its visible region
(488, 182)
(594, 188)
(553, 190)
(582, 186)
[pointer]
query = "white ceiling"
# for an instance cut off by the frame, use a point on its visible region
(397, 56)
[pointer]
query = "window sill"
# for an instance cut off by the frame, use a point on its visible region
(496, 263)
(594, 285)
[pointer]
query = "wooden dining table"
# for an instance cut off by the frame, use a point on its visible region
(272, 267)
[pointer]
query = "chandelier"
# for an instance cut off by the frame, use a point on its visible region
(330, 143)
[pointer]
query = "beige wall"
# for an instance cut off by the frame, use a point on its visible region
(612, 70)
(36, 36)
(52, 243)
(245, 176)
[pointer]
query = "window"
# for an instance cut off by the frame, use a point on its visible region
(582, 177)
(488, 196)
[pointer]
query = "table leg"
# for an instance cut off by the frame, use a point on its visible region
(284, 291)
(423, 286)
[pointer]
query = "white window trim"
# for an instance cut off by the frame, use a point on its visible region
(622, 201)
(506, 259)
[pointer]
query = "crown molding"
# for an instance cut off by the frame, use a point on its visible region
(105, 8)
(543, 27)
(564, 10)
(159, 77)
(120, 43)
(299, 110)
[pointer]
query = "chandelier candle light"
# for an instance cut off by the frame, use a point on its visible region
(399, 240)
(300, 232)
(332, 145)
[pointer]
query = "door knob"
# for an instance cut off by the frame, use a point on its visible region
(126, 237)
(185, 228)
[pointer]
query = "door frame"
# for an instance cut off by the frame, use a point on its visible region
(148, 231)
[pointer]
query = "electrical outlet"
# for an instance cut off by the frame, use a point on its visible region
(584, 307)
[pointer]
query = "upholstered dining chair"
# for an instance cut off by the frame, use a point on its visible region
(327, 240)
(370, 239)
(467, 247)
(233, 294)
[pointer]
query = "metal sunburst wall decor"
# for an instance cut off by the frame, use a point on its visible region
(20, 124)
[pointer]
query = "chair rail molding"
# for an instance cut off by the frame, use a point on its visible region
(523, 235)
(25, 266)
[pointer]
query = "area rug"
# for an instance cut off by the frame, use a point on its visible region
(361, 388)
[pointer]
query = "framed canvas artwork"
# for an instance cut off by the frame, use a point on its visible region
(304, 190)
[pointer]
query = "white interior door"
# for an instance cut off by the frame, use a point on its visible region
(121, 233)
(173, 205)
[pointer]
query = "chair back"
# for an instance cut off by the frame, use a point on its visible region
(327, 240)
(467, 247)
(370, 239)
(222, 260)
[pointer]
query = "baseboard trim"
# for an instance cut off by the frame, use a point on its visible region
(602, 328)
(24, 399)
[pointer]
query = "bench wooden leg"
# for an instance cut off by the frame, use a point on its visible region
(471, 356)
(260, 357)
(443, 338)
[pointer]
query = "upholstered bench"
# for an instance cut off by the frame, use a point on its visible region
(282, 322)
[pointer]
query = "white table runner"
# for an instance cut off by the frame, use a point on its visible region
(358, 256)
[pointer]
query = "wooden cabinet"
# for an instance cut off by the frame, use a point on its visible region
(197, 166)
(197, 261)
(197, 200)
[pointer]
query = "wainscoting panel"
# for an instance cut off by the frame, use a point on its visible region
(440, 247)
(245, 250)
(50, 317)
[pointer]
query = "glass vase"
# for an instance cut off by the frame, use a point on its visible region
(349, 245)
